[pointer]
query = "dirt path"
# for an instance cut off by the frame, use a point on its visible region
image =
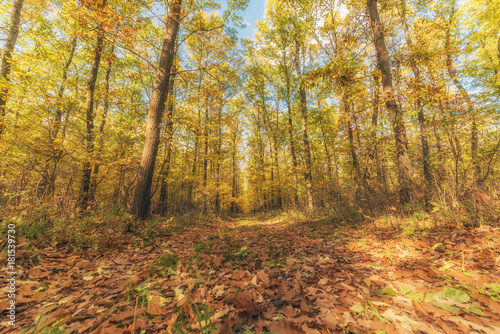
(258, 275)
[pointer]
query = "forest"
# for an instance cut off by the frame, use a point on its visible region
(336, 172)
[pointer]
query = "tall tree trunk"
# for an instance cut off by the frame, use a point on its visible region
(15, 19)
(305, 136)
(194, 166)
(141, 202)
(276, 161)
(350, 137)
(60, 93)
(292, 150)
(100, 143)
(234, 185)
(418, 102)
(327, 151)
(290, 129)
(217, 165)
(163, 198)
(396, 114)
(273, 151)
(86, 195)
(352, 149)
(262, 153)
(470, 107)
(373, 150)
(205, 158)
(234, 194)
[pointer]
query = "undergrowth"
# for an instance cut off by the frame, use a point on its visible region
(102, 228)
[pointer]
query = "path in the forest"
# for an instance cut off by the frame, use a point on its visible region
(258, 275)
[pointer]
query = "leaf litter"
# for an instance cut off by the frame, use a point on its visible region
(255, 275)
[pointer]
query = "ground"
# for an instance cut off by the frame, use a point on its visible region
(249, 274)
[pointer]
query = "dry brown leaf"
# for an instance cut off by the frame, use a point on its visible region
(285, 327)
(263, 276)
(244, 301)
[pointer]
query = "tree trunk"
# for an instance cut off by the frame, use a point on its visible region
(294, 156)
(60, 93)
(373, 150)
(396, 114)
(100, 144)
(234, 185)
(141, 202)
(418, 101)
(470, 107)
(350, 138)
(276, 161)
(205, 158)
(329, 168)
(15, 19)
(305, 136)
(217, 165)
(163, 198)
(352, 149)
(86, 195)
(234, 207)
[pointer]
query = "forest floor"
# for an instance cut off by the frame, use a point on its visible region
(262, 274)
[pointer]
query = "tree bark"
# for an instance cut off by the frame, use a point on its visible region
(100, 143)
(305, 136)
(141, 202)
(396, 114)
(205, 157)
(15, 20)
(276, 161)
(292, 150)
(470, 107)
(234, 185)
(350, 137)
(219, 158)
(86, 196)
(290, 127)
(234, 194)
(163, 198)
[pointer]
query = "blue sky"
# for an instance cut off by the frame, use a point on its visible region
(255, 11)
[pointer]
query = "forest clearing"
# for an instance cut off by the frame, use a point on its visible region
(250, 166)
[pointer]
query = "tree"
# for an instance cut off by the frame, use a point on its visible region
(142, 201)
(418, 100)
(395, 112)
(15, 20)
(86, 193)
(465, 95)
(305, 135)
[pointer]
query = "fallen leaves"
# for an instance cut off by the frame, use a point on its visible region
(250, 278)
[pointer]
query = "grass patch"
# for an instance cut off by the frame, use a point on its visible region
(165, 265)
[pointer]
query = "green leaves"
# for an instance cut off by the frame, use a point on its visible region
(410, 293)
(454, 294)
(454, 301)
(390, 291)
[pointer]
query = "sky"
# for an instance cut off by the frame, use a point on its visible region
(255, 11)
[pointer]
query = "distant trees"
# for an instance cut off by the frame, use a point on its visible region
(98, 91)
